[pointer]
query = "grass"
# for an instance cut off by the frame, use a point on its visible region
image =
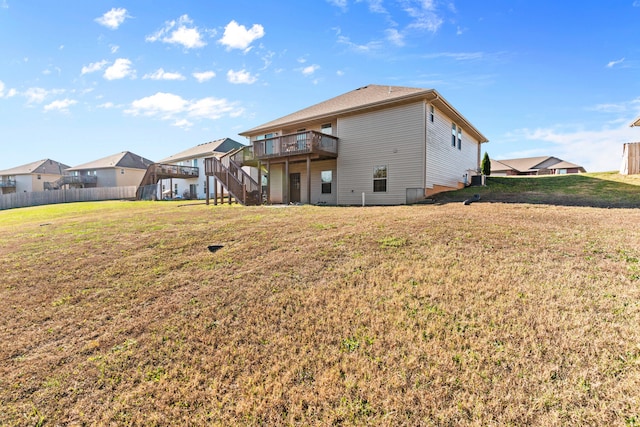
(115, 313)
(602, 189)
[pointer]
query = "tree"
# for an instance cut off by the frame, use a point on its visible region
(485, 166)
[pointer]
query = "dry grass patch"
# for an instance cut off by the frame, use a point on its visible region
(116, 313)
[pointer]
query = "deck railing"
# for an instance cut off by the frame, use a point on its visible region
(7, 183)
(307, 142)
(70, 179)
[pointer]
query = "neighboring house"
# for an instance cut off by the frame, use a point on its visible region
(376, 145)
(636, 123)
(544, 165)
(119, 170)
(30, 177)
(195, 188)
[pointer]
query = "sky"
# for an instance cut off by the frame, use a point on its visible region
(81, 80)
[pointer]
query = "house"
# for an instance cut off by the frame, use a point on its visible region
(118, 170)
(543, 165)
(376, 145)
(636, 123)
(30, 177)
(195, 187)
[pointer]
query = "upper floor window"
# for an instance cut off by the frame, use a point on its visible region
(456, 136)
(122, 171)
(327, 129)
(194, 163)
(431, 113)
(380, 179)
(454, 133)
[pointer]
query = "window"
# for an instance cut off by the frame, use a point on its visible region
(380, 179)
(456, 136)
(122, 171)
(431, 113)
(39, 176)
(326, 177)
(327, 129)
(453, 134)
(194, 163)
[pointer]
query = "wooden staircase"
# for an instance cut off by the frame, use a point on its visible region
(157, 171)
(234, 179)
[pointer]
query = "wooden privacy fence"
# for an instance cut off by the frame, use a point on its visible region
(21, 200)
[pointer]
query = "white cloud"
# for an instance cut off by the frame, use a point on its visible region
(168, 106)
(424, 14)
(596, 150)
(120, 69)
(612, 64)
(395, 37)
(107, 105)
(210, 108)
(342, 4)
(113, 18)
(9, 93)
(238, 37)
(239, 77)
(160, 74)
(183, 123)
(458, 56)
(180, 31)
(307, 71)
(93, 67)
(114, 48)
(60, 105)
(360, 48)
(36, 95)
(204, 76)
(163, 104)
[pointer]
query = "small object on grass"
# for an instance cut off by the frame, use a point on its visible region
(46, 223)
(214, 248)
(475, 198)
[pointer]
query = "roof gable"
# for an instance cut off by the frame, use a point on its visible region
(365, 98)
(125, 159)
(636, 123)
(207, 149)
(46, 166)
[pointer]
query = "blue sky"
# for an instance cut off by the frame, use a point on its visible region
(81, 80)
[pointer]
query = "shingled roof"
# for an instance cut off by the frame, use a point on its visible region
(532, 164)
(636, 123)
(370, 97)
(125, 159)
(207, 149)
(46, 166)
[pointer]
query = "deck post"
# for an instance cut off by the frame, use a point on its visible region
(286, 182)
(268, 182)
(308, 179)
(215, 190)
(206, 189)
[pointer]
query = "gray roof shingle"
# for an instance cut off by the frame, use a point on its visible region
(207, 149)
(365, 98)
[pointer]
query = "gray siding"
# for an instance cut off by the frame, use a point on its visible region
(393, 137)
(446, 165)
(316, 184)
